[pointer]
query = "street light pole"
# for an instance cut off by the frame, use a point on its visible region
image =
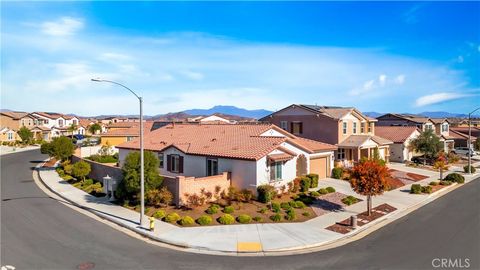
(142, 170)
(470, 140)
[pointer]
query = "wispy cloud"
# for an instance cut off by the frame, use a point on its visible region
(438, 98)
(411, 15)
(64, 26)
(383, 81)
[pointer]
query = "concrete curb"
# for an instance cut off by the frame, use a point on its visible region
(348, 238)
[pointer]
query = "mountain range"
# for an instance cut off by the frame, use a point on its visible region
(236, 113)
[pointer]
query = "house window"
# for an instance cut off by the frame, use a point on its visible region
(284, 125)
(60, 123)
(74, 122)
(160, 158)
(362, 128)
(428, 127)
(354, 127)
(344, 128)
(175, 163)
(370, 127)
(10, 136)
(444, 127)
(296, 127)
(341, 153)
(276, 171)
(130, 138)
(212, 166)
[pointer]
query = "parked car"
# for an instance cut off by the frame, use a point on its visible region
(420, 159)
(465, 151)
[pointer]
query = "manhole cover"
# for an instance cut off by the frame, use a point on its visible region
(86, 266)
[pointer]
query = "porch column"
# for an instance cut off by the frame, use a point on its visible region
(368, 152)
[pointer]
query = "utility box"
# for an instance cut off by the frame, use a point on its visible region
(109, 187)
(353, 222)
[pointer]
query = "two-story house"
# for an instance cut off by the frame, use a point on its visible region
(346, 127)
(16, 120)
(440, 126)
(55, 124)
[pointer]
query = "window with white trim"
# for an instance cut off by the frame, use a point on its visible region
(362, 128)
(341, 153)
(284, 125)
(10, 136)
(276, 171)
(354, 127)
(160, 159)
(445, 127)
(344, 128)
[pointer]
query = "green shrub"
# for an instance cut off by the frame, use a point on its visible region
(285, 206)
(60, 171)
(445, 183)
(265, 193)
(258, 219)
(226, 219)
(299, 204)
(455, 177)
(314, 180)
(306, 214)
(416, 189)
(87, 182)
(323, 191)
(187, 221)
(305, 199)
(103, 158)
(159, 214)
(305, 183)
(434, 183)
(276, 218)
(472, 169)
(290, 215)
(314, 194)
(263, 210)
(349, 200)
(330, 189)
(275, 207)
(244, 219)
(68, 168)
(427, 189)
(213, 209)
(204, 220)
(337, 173)
(172, 217)
(228, 209)
(67, 177)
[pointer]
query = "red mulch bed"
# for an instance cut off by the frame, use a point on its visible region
(50, 163)
(416, 177)
(344, 227)
(394, 183)
(437, 188)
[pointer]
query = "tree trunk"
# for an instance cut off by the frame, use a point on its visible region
(441, 174)
(369, 205)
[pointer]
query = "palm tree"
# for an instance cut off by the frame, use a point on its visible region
(72, 128)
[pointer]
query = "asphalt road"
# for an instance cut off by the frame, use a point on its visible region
(38, 232)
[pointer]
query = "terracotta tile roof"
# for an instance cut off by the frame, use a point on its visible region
(280, 157)
(396, 134)
(130, 131)
(458, 135)
(49, 115)
(358, 140)
(123, 125)
(412, 117)
(85, 122)
(439, 120)
(241, 141)
(42, 128)
(475, 131)
(14, 115)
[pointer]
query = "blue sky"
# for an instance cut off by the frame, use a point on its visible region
(385, 57)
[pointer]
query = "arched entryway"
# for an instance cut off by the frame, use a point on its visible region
(301, 165)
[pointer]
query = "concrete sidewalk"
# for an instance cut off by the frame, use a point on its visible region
(263, 238)
(5, 150)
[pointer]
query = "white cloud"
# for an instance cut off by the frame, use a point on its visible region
(382, 79)
(112, 57)
(460, 59)
(192, 75)
(65, 26)
(400, 79)
(437, 98)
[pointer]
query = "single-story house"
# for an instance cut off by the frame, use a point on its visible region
(401, 137)
(115, 136)
(249, 154)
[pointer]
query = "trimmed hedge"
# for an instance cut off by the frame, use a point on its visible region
(159, 214)
(314, 193)
(226, 219)
(244, 219)
(434, 183)
(228, 209)
(445, 183)
(213, 209)
(258, 219)
(416, 189)
(314, 180)
(455, 177)
(305, 184)
(427, 189)
(465, 169)
(204, 220)
(172, 217)
(323, 191)
(337, 173)
(187, 221)
(265, 193)
(330, 189)
(349, 200)
(299, 204)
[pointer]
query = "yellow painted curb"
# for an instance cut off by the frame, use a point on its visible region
(249, 247)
